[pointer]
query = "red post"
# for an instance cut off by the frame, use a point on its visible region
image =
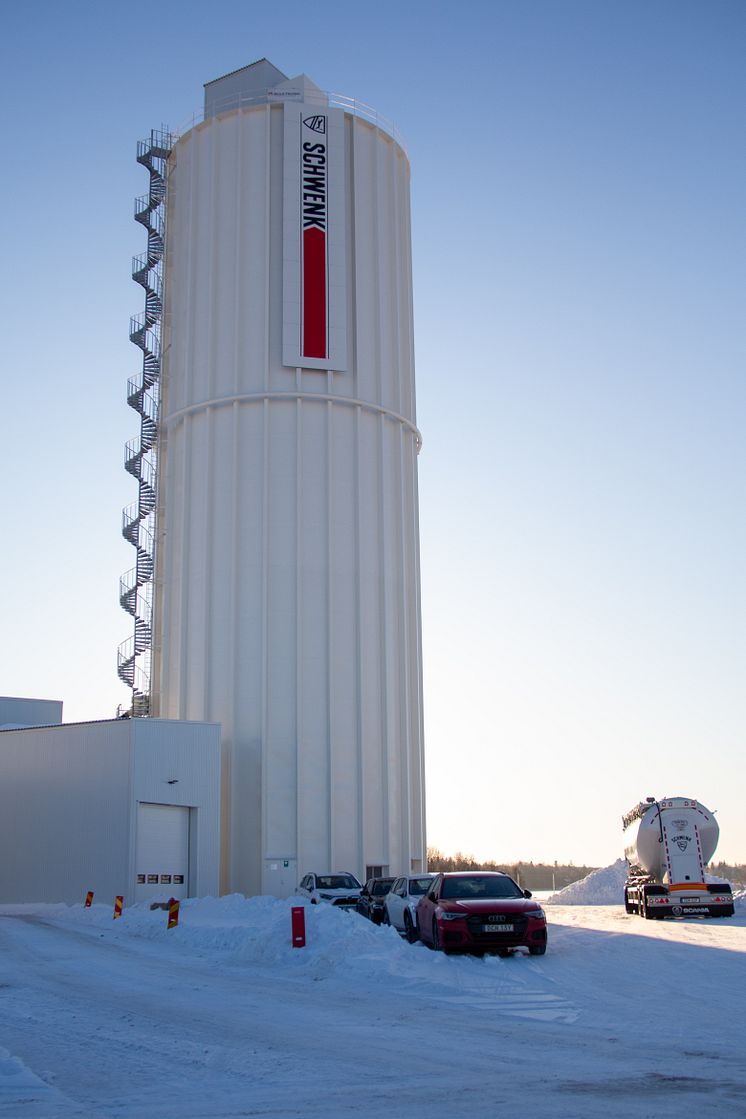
(118, 906)
(88, 900)
(173, 913)
(298, 917)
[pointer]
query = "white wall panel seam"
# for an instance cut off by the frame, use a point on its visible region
(184, 620)
(192, 272)
(404, 822)
(383, 625)
(403, 374)
(210, 544)
(233, 746)
(265, 623)
(213, 358)
(331, 830)
(351, 219)
(237, 278)
(268, 238)
(360, 745)
(375, 208)
(299, 607)
(419, 713)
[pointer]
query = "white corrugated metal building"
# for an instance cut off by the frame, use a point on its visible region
(16, 711)
(287, 601)
(125, 806)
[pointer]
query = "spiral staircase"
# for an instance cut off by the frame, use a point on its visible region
(141, 453)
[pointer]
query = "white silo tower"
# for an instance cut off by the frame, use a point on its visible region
(286, 601)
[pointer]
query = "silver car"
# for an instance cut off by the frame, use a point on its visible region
(342, 890)
(401, 901)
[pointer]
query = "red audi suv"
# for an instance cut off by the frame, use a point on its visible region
(480, 911)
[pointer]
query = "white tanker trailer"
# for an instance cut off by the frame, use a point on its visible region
(669, 844)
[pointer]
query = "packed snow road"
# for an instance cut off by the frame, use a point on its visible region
(221, 1018)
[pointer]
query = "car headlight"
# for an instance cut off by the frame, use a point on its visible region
(445, 916)
(538, 913)
(326, 897)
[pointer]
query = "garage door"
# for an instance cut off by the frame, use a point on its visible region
(161, 852)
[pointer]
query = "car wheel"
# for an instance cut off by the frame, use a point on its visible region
(385, 920)
(537, 949)
(410, 931)
(436, 937)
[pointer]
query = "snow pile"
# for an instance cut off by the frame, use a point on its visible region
(600, 887)
(257, 931)
(19, 1085)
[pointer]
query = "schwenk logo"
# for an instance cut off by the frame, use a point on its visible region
(316, 124)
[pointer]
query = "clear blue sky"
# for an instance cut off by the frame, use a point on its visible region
(579, 258)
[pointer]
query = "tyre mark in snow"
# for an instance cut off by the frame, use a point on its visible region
(658, 1084)
(502, 987)
(533, 1005)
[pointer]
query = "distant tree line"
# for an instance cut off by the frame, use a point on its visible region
(735, 873)
(554, 876)
(531, 876)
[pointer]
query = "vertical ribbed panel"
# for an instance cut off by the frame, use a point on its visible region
(287, 589)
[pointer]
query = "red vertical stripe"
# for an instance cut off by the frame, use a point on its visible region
(314, 293)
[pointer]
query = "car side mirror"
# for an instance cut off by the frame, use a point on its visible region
(527, 894)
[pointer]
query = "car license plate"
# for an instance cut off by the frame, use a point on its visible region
(497, 928)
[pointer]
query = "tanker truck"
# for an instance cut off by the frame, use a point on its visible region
(669, 844)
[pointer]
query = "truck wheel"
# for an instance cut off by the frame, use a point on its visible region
(628, 906)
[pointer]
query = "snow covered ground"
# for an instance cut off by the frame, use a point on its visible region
(221, 1017)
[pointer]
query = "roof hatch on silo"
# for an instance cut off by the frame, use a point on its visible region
(241, 86)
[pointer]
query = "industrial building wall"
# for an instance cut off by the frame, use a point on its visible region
(287, 581)
(64, 812)
(29, 712)
(69, 798)
(178, 764)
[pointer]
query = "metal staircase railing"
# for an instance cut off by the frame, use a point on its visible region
(141, 453)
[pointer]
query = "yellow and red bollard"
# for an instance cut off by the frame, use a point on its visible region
(173, 913)
(88, 900)
(118, 906)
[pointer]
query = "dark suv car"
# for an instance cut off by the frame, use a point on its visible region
(480, 911)
(372, 898)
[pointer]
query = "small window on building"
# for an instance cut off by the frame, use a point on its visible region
(379, 871)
